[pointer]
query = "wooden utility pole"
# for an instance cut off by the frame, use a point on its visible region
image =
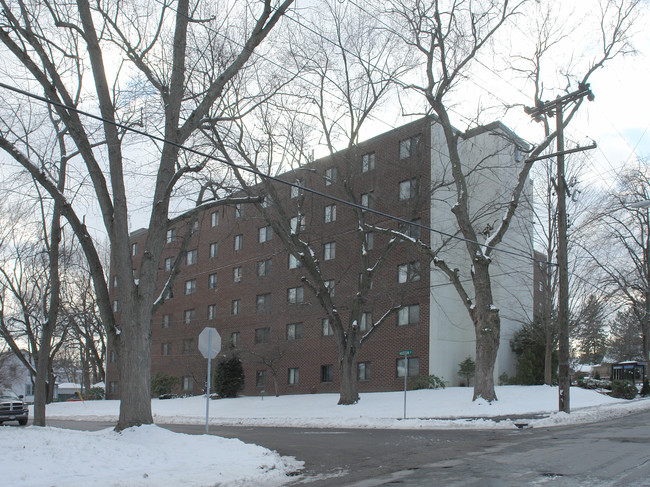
(556, 108)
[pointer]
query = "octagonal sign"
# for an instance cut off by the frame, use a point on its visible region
(204, 342)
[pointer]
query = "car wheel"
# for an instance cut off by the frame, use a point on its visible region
(22, 422)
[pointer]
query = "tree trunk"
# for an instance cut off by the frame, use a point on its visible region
(42, 373)
(349, 391)
(487, 345)
(134, 348)
(548, 361)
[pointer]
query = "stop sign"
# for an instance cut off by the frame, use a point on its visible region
(204, 342)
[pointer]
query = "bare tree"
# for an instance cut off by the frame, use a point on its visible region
(348, 69)
(178, 66)
(450, 37)
(625, 260)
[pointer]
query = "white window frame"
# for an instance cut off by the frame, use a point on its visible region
(330, 213)
(190, 286)
(329, 251)
(294, 262)
(407, 314)
(293, 376)
(239, 242)
(295, 295)
(214, 250)
(294, 331)
(326, 327)
(212, 311)
(265, 233)
(368, 162)
(212, 281)
(330, 176)
(235, 307)
(191, 257)
(214, 219)
(237, 273)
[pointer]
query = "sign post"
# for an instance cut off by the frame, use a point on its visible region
(209, 346)
(405, 354)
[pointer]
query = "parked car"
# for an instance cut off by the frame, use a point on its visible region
(12, 407)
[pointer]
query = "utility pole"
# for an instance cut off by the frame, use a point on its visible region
(556, 108)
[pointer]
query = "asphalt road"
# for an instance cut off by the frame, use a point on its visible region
(615, 453)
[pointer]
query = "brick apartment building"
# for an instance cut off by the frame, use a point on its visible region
(238, 277)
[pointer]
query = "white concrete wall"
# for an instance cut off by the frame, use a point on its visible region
(491, 175)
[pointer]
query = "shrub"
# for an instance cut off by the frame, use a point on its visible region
(425, 382)
(645, 389)
(229, 377)
(623, 389)
(162, 384)
(466, 369)
(504, 379)
(94, 394)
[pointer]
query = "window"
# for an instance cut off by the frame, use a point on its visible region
(368, 162)
(214, 219)
(166, 321)
(413, 230)
(188, 345)
(294, 331)
(166, 349)
(408, 189)
(366, 321)
(190, 286)
(234, 339)
(295, 295)
(239, 242)
(171, 235)
(239, 210)
(188, 383)
(370, 240)
(266, 201)
(189, 315)
(112, 387)
(262, 335)
(237, 274)
(293, 374)
(235, 307)
(169, 293)
(114, 281)
(212, 281)
(294, 263)
(297, 223)
(169, 264)
(112, 358)
(260, 379)
(408, 272)
(264, 267)
(214, 250)
(326, 373)
(116, 306)
(212, 311)
(190, 257)
(329, 284)
(414, 366)
(329, 251)
(330, 176)
(263, 302)
(195, 227)
(296, 190)
(408, 315)
(363, 370)
(265, 233)
(327, 327)
(330, 213)
(368, 200)
(134, 249)
(409, 147)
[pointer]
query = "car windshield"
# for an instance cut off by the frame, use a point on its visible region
(6, 394)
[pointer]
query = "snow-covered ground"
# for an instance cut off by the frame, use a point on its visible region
(150, 455)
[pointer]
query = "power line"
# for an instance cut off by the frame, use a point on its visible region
(260, 174)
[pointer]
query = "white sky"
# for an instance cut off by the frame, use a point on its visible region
(150, 455)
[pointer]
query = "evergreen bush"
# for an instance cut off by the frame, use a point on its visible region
(467, 369)
(623, 389)
(425, 382)
(94, 394)
(163, 384)
(645, 389)
(229, 377)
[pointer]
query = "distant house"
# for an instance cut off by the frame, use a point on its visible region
(630, 370)
(15, 376)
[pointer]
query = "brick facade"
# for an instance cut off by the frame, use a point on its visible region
(254, 278)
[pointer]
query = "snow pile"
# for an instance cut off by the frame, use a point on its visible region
(440, 408)
(143, 456)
